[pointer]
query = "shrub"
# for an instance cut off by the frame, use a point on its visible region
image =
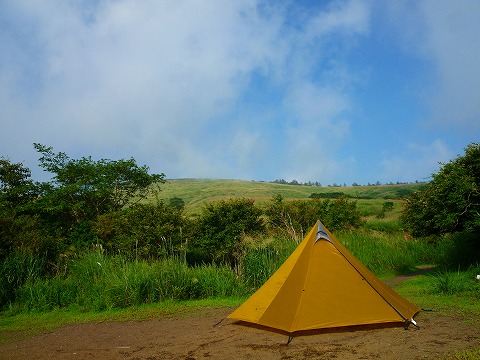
(142, 231)
(221, 229)
(297, 217)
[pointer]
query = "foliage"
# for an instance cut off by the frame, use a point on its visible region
(387, 207)
(329, 195)
(49, 217)
(458, 250)
(221, 229)
(451, 201)
(90, 188)
(298, 216)
(16, 187)
(177, 203)
(95, 281)
(83, 189)
(141, 231)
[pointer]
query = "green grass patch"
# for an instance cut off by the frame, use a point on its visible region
(464, 355)
(446, 292)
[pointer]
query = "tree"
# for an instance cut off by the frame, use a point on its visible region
(83, 189)
(104, 185)
(16, 187)
(19, 229)
(451, 201)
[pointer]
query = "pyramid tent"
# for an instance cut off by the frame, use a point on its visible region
(322, 285)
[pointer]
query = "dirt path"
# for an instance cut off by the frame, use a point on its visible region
(197, 337)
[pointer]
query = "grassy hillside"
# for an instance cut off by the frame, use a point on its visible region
(196, 192)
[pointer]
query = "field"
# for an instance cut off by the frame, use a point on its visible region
(108, 307)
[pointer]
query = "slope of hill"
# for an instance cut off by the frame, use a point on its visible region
(196, 192)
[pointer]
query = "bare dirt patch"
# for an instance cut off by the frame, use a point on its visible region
(198, 337)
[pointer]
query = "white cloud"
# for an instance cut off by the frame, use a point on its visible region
(445, 34)
(453, 29)
(136, 73)
(151, 80)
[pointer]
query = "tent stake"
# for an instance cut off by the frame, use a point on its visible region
(411, 321)
(290, 338)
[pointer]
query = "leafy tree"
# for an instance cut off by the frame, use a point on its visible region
(16, 187)
(21, 230)
(103, 186)
(83, 189)
(451, 201)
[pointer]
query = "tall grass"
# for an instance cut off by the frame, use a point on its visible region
(260, 263)
(388, 254)
(447, 282)
(16, 269)
(95, 281)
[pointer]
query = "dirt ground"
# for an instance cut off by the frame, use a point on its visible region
(199, 336)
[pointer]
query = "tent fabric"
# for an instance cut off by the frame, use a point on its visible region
(322, 285)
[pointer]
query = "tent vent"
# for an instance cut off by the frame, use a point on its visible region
(322, 233)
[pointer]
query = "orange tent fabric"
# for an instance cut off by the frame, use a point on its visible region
(322, 285)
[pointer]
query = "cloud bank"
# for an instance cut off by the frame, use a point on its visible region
(250, 90)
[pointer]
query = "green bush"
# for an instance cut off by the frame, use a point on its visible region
(142, 231)
(450, 202)
(220, 231)
(457, 250)
(296, 218)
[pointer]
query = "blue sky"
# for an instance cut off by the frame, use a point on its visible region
(327, 91)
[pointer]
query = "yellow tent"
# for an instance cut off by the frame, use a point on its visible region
(322, 285)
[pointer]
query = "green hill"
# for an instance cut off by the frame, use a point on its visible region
(196, 192)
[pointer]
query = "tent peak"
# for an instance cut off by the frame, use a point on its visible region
(322, 233)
